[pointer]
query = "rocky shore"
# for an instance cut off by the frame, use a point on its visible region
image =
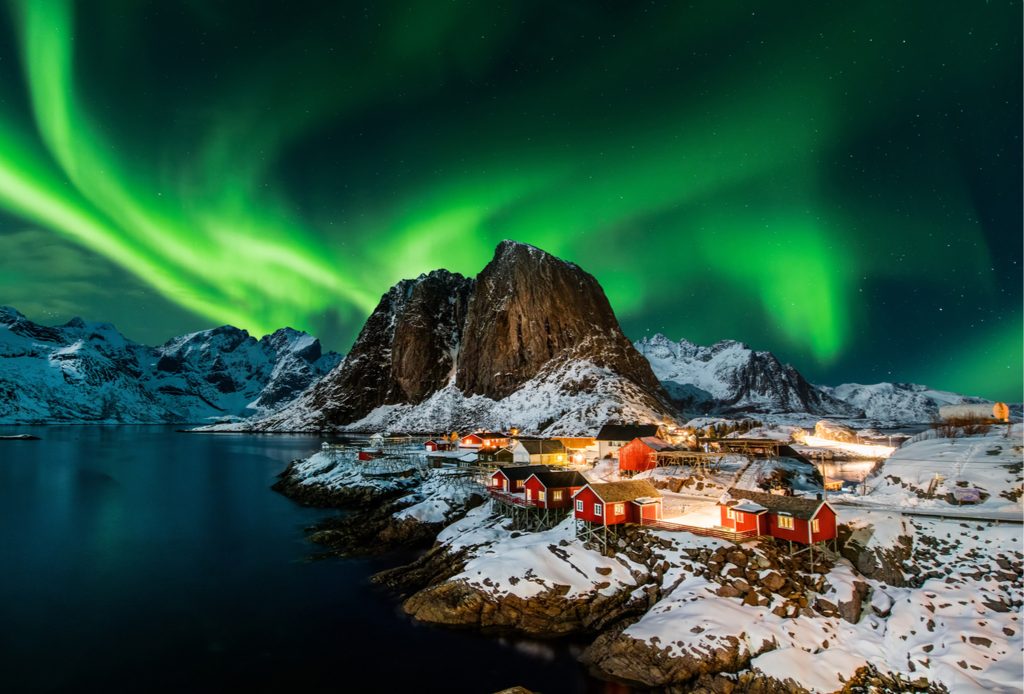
(680, 612)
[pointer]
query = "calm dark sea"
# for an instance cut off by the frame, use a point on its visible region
(140, 559)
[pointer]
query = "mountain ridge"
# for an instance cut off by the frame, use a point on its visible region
(89, 372)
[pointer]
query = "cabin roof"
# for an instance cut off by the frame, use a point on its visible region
(626, 490)
(626, 432)
(576, 441)
(542, 446)
(489, 435)
(520, 472)
(796, 506)
(556, 479)
(747, 506)
(656, 444)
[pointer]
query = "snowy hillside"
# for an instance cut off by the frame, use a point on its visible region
(89, 372)
(575, 397)
(898, 402)
(729, 377)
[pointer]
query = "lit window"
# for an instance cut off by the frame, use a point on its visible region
(815, 526)
(519, 484)
(529, 494)
(620, 509)
(730, 514)
(598, 510)
(579, 505)
(556, 495)
(786, 522)
(541, 496)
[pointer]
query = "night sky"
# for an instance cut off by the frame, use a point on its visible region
(839, 183)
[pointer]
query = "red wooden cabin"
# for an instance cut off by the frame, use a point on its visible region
(512, 478)
(614, 503)
(553, 489)
(638, 455)
(485, 439)
(369, 455)
(438, 445)
(793, 518)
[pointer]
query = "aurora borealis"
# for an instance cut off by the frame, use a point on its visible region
(838, 183)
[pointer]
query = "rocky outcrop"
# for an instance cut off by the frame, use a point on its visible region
(530, 308)
(619, 657)
(295, 486)
(406, 350)
(548, 615)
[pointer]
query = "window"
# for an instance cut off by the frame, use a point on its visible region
(815, 526)
(579, 505)
(541, 496)
(730, 514)
(598, 510)
(519, 484)
(556, 495)
(529, 494)
(786, 522)
(620, 510)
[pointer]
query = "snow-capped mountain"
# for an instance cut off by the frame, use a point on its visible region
(89, 372)
(531, 341)
(898, 402)
(729, 377)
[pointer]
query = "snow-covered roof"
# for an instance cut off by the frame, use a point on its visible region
(749, 507)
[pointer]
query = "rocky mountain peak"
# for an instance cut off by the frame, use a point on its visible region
(529, 308)
(440, 339)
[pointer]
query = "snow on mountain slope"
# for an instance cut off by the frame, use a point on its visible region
(729, 377)
(898, 402)
(89, 372)
(571, 397)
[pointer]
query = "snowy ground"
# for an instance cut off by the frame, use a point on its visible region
(958, 629)
(532, 563)
(991, 463)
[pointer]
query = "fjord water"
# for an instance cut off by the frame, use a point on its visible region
(140, 559)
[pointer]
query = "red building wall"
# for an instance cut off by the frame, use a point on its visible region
(534, 487)
(826, 528)
(635, 456)
(826, 525)
(745, 522)
(607, 515)
(647, 511)
(500, 478)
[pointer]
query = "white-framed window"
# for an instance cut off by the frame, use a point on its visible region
(815, 526)
(556, 495)
(529, 494)
(730, 514)
(598, 510)
(495, 482)
(786, 522)
(541, 496)
(579, 505)
(620, 509)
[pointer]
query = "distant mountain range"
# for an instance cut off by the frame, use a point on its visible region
(89, 372)
(531, 342)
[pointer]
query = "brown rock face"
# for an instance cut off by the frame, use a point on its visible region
(405, 351)
(529, 308)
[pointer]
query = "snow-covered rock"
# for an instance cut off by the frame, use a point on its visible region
(729, 377)
(898, 402)
(89, 372)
